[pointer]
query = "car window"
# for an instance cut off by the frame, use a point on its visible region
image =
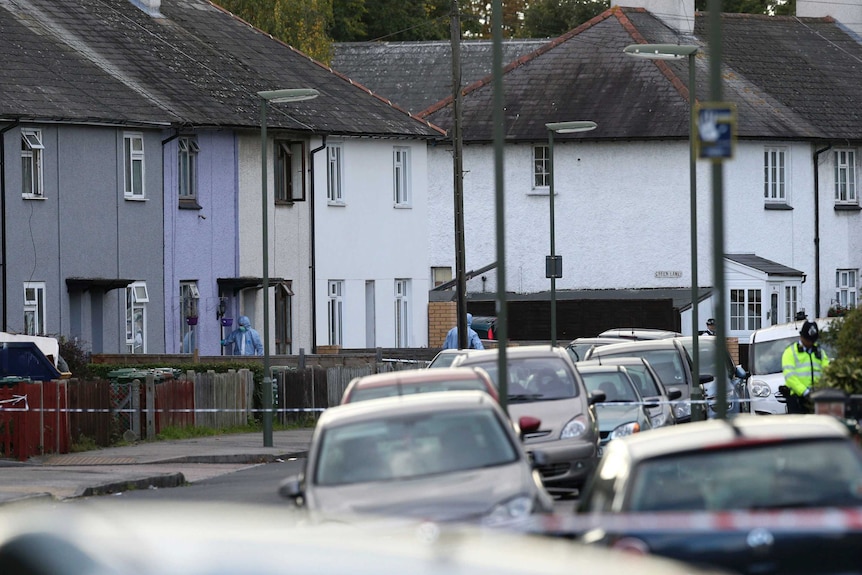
(667, 363)
(534, 378)
(374, 392)
(443, 360)
(616, 385)
(643, 380)
(415, 446)
(760, 476)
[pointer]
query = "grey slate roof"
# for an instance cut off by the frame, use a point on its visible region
(416, 75)
(108, 61)
(791, 78)
(764, 265)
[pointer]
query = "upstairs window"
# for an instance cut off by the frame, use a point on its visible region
(401, 176)
(133, 165)
(188, 169)
(775, 175)
(845, 177)
(335, 169)
(541, 167)
(289, 171)
(31, 164)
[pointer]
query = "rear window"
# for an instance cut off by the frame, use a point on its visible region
(819, 473)
(667, 363)
(534, 379)
(364, 393)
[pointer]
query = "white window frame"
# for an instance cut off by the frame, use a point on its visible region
(775, 172)
(401, 195)
(335, 314)
(746, 309)
(32, 159)
(187, 176)
(402, 313)
(845, 176)
(791, 302)
(335, 173)
(189, 299)
(289, 171)
(136, 317)
(440, 275)
(133, 166)
(34, 308)
(541, 167)
(846, 286)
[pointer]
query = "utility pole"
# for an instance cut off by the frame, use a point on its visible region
(457, 163)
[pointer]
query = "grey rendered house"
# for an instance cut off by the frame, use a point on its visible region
(622, 191)
(131, 180)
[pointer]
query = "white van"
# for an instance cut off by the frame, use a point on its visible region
(764, 362)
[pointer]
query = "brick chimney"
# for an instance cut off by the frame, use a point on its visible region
(677, 14)
(151, 7)
(848, 14)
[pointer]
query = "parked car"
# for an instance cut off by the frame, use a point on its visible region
(748, 464)
(639, 333)
(623, 410)
(764, 362)
(445, 357)
(445, 457)
(579, 347)
(736, 378)
(407, 381)
(542, 383)
(658, 399)
(485, 326)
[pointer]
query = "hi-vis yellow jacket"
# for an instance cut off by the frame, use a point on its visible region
(802, 369)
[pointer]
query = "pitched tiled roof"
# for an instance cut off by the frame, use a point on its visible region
(108, 61)
(764, 265)
(419, 74)
(791, 78)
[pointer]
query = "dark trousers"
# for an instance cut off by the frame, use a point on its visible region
(797, 404)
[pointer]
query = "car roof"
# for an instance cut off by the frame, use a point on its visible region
(518, 351)
(698, 435)
(418, 375)
(639, 333)
(404, 404)
(598, 367)
(785, 330)
(614, 349)
(607, 340)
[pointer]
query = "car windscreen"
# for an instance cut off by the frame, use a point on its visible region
(758, 475)
(534, 378)
(374, 392)
(410, 446)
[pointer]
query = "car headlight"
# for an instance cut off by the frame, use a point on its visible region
(515, 509)
(577, 427)
(682, 410)
(625, 429)
(760, 389)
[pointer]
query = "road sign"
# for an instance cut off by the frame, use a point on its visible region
(716, 130)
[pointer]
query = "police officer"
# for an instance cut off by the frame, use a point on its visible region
(710, 327)
(803, 363)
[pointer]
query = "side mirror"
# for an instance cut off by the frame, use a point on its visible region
(528, 424)
(291, 488)
(597, 396)
(741, 373)
(674, 394)
(706, 378)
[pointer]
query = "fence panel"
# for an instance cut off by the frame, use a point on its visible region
(90, 411)
(175, 402)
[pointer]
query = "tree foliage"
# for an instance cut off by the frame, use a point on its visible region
(551, 18)
(771, 7)
(845, 337)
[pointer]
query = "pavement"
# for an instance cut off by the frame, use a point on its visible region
(143, 464)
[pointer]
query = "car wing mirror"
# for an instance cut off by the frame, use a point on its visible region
(597, 396)
(741, 373)
(528, 424)
(674, 394)
(706, 378)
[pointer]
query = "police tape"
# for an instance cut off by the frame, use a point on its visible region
(156, 410)
(708, 401)
(828, 519)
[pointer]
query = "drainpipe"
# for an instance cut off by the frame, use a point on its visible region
(4, 280)
(817, 229)
(313, 246)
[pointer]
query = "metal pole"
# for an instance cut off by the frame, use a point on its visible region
(553, 271)
(696, 409)
(715, 57)
(499, 122)
(460, 257)
(266, 392)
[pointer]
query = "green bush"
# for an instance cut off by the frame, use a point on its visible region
(845, 337)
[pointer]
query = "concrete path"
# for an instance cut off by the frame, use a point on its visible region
(143, 464)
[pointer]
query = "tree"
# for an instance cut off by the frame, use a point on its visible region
(771, 7)
(845, 337)
(302, 24)
(551, 18)
(403, 20)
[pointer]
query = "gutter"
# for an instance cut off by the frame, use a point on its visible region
(3, 276)
(817, 229)
(313, 245)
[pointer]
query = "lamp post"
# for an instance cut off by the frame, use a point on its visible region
(276, 97)
(676, 52)
(554, 263)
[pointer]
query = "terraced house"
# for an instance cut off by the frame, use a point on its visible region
(132, 185)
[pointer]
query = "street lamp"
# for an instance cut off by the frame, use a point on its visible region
(676, 52)
(554, 263)
(276, 97)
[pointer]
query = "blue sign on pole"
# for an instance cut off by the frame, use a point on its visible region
(716, 130)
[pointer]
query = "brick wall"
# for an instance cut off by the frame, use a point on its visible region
(442, 316)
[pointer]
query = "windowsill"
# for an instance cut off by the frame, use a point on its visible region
(777, 206)
(31, 197)
(288, 202)
(133, 199)
(847, 207)
(540, 192)
(338, 204)
(189, 204)
(402, 206)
